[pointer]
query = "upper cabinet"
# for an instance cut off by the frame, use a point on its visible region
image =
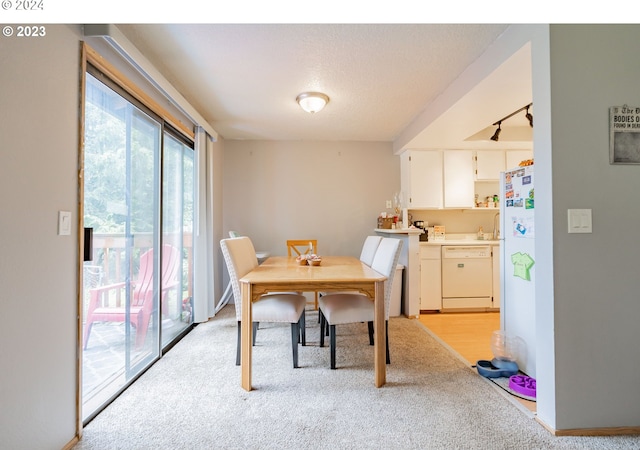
(489, 163)
(437, 178)
(459, 188)
(421, 176)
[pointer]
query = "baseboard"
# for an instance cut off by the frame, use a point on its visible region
(610, 431)
(71, 443)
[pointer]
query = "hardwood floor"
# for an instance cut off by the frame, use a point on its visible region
(469, 335)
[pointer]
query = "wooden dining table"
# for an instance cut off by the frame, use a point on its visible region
(335, 273)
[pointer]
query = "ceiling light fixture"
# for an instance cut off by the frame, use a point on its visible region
(496, 135)
(312, 102)
(529, 117)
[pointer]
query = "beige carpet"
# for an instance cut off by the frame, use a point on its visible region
(192, 399)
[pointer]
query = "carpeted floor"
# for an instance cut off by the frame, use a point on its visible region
(192, 399)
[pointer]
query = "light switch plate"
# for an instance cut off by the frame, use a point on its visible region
(64, 223)
(579, 220)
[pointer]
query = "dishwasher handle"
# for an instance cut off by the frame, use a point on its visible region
(466, 252)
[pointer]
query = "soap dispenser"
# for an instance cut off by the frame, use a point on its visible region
(480, 234)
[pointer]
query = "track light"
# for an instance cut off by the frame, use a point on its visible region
(529, 117)
(496, 135)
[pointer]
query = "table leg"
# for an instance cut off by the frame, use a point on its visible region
(380, 340)
(245, 336)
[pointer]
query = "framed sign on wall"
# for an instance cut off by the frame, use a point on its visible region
(624, 135)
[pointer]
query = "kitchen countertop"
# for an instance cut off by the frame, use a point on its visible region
(462, 239)
(451, 239)
(399, 231)
(462, 242)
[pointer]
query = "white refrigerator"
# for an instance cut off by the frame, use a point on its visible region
(518, 312)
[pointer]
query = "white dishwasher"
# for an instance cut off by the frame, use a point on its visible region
(467, 277)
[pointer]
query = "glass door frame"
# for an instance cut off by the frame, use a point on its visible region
(158, 347)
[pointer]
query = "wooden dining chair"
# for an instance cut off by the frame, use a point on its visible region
(299, 247)
(342, 308)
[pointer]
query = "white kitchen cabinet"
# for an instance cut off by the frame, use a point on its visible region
(430, 278)
(495, 250)
(514, 157)
(435, 179)
(489, 164)
(459, 183)
(421, 175)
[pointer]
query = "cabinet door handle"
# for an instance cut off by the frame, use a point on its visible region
(461, 265)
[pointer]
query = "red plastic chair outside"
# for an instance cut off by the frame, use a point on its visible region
(141, 298)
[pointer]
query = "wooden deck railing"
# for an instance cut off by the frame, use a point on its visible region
(109, 255)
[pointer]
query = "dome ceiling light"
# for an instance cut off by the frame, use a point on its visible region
(312, 102)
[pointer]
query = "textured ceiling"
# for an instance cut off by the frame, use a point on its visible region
(243, 79)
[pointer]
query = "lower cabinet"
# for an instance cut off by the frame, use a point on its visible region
(430, 278)
(431, 281)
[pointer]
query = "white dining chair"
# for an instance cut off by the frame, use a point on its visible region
(367, 253)
(227, 294)
(240, 257)
(369, 249)
(346, 307)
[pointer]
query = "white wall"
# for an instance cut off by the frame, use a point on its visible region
(39, 85)
(597, 304)
(330, 191)
(458, 221)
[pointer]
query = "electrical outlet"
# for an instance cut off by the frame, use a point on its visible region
(388, 203)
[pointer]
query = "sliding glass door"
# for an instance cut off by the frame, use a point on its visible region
(177, 224)
(138, 201)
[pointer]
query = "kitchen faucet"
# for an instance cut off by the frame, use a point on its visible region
(496, 231)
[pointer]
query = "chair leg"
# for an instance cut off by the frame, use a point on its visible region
(322, 324)
(295, 333)
(238, 345)
(332, 345)
(386, 328)
(87, 333)
(255, 331)
(142, 325)
(302, 325)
